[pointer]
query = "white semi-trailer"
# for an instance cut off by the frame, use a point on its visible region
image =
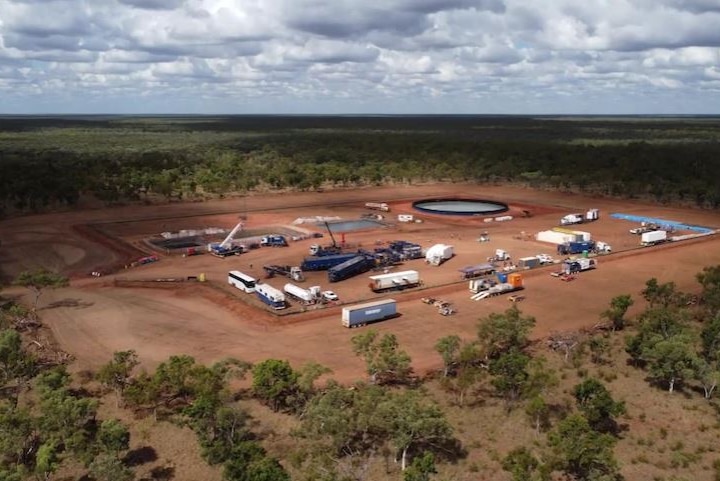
(394, 281)
(653, 237)
(306, 296)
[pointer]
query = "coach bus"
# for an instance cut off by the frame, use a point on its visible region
(242, 281)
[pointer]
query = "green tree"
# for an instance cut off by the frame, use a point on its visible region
(275, 382)
(618, 308)
(449, 349)
(538, 411)
(710, 340)
(663, 295)
(415, 421)
(47, 461)
(107, 467)
(581, 452)
(655, 325)
(499, 333)
(117, 373)
(421, 468)
(671, 360)
(708, 375)
(38, 280)
(384, 360)
(17, 366)
(597, 405)
(709, 278)
(113, 437)
(510, 374)
(523, 465)
(600, 350)
(18, 436)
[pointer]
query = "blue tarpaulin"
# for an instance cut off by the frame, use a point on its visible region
(662, 222)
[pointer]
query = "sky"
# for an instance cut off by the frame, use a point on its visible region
(360, 56)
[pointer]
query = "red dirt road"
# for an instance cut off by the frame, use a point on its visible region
(93, 317)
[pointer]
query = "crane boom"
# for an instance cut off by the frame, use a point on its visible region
(232, 233)
(334, 243)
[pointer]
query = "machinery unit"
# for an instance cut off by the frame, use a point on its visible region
(603, 247)
(306, 296)
(578, 265)
(378, 206)
(394, 281)
(357, 265)
(323, 263)
(480, 285)
(575, 247)
(362, 314)
(438, 254)
(471, 272)
(270, 296)
(653, 237)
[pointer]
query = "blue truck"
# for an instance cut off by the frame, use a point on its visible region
(357, 265)
(273, 240)
(575, 247)
(361, 314)
(323, 263)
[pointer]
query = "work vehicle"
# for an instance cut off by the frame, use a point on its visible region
(357, 265)
(514, 283)
(226, 247)
(394, 281)
(653, 237)
(378, 206)
(500, 256)
(274, 240)
(328, 250)
(439, 253)
(575, 247)
(323, 263)
(293, 272)
(579, 218)
(362, 314)
(311, 295)
(242, 281)
(330, 296)
(603, 248)
(274, 298)
(406, 250)
(528, 262)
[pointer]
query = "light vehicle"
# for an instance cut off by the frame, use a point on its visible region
(330, 296)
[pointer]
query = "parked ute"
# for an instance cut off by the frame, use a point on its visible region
(330, 296)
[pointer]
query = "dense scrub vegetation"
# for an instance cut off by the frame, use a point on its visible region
(49, 422)
(54, 161)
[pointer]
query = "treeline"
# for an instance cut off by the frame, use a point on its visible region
(45, 162)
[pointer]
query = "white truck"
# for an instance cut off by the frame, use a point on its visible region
(306, 296)
(578, 218)
(394, 281)
(653, 237)
(377, 206)
(603, 247)
(572, 219)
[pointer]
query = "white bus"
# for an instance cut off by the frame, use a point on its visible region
(242, 281)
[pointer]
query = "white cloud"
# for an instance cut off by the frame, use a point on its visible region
(360, 55)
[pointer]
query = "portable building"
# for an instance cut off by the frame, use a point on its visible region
(554, 237)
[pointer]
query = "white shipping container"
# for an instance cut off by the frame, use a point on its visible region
(299, 293)
(395, 279)
(554, 237)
